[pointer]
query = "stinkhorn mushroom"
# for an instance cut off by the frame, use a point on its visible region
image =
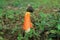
(27, 20)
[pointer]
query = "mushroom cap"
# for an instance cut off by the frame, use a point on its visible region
(30, 8)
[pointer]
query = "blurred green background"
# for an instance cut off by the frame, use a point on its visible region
(45, 19)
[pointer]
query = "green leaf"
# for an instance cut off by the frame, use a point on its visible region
(11, 16)
(19, 37)
(53, 31)
(43, 15)
(58, 26)
(1, 12)
(1, 27)
(1, 38)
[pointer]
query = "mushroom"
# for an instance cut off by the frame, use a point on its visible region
(27, 22)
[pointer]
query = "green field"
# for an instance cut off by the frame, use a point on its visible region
(45, 19)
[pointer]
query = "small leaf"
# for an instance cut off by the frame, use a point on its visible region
(58, 26)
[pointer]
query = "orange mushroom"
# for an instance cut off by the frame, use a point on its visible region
(27, 22)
